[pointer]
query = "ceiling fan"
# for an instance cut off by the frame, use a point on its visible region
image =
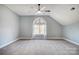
(41, 10)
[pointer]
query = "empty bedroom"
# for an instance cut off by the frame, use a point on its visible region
(39, 29)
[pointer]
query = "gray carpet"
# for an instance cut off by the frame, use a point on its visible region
(40, 47)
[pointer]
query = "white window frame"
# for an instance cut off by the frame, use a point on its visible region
(37, 21)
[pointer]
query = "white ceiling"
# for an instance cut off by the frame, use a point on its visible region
(60, 12)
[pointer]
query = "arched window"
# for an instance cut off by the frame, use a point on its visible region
(39, 26)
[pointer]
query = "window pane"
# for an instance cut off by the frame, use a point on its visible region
(42, 31)
(36, 29)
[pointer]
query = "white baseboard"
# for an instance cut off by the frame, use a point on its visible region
(47, 37)
(25, 38)
(54, 37)
(8, 43)
(71, 41)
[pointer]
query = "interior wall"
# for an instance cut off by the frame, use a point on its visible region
(8, 26)
(54, 29)
(72, 32)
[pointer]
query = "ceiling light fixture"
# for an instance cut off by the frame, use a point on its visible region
(41, 11)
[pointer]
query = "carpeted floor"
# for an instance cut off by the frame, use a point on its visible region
(40, 47)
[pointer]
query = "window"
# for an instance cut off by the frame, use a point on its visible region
(39, 26)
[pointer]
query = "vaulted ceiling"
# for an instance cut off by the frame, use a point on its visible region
(63, 13)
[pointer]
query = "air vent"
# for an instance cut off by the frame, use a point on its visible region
(73, 8)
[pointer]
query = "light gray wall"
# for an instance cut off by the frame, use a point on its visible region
(8, 26)
(54, 29)
(72, 32)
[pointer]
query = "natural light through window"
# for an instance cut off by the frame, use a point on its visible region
(39, 26)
